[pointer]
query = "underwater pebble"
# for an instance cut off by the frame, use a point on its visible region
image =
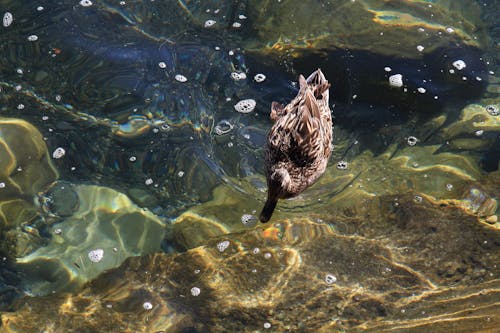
(267, 325)
(492, 110)
(32, 38)
(58, 153)
(209, 23)
(259, 78)
(85, 3)
(147, 306)
(329, 279)
(96, 255)
(459, 64)
(238, 76)
(245, 106)
(8, 18)
(421, 90)
(396, 80)
(222, 246)
(195, 291)
(342, 165)
(248, 219)
(412, 141)
(181, 78)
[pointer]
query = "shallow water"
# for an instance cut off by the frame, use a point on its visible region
(131, 181)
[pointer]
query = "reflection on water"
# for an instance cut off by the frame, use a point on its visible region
(130, 176)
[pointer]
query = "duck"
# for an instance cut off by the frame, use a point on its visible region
(299, 143)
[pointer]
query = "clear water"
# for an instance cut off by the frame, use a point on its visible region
(131, 181)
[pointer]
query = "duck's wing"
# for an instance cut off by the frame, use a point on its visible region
(308, 131)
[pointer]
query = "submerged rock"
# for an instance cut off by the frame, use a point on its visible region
(410, 267)
(25, 170)
(98, 232)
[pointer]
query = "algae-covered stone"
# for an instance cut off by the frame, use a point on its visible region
(98, 233)
(25, 170)
(25, 165)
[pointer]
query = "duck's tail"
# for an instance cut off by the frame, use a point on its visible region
(268, 210)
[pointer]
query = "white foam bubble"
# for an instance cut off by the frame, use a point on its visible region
(85, 3)
(96, 255)
(459, 64)
(245, 106)
(210, 23)
(396, 80)
(222, 246)
(8, 18)
(58, 153)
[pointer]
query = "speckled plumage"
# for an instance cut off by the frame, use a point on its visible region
(299, 143)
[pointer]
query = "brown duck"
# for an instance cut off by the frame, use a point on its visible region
(299, 143)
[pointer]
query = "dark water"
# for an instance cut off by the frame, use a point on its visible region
(120, 138)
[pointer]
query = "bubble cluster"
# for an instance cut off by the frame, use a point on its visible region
(96, 255)
(238, 76)
(181, 78)
(342, 165)
(223, 127)
(248, 219)
(195, 291)
(411, 141)
(459, 64)
(492, 110)
(58, 153)
(222, 246)
(396, 80)
(85, 3)
(8, 18)
(259, 77)
(209, 23)
(330, 279)
(245, 106)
